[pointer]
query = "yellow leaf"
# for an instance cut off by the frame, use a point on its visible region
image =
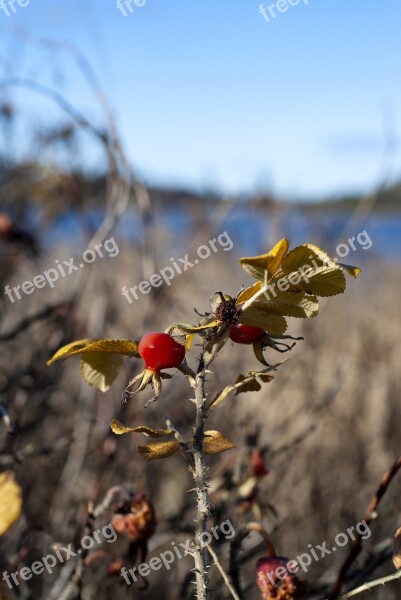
(184, 329)
(189, 341)
(10, 501)
(321, 255)
(353, 271)
(324, 281)
(273, 324)
(249, 292)
(119, 429)
(307, 268)
(221, 396)
(289, 304)
(68, 350)
(124, 347)
(265, 265)
(99, 369)
(215, 443)
(157, 450)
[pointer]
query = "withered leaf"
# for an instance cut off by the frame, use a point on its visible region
(120, 429)
(158, 450)
(215, 443)
(10, 501)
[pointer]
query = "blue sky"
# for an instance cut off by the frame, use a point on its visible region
(210, 95)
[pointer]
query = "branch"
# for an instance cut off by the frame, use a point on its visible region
(370, 515)
(371, 584)
(253, 298)
(223, 573)
(28, 321)
(68, 586)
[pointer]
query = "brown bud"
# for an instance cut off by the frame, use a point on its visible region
(135, 519)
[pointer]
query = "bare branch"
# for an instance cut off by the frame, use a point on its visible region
(223, 573)
(368, 518)
(370, 585)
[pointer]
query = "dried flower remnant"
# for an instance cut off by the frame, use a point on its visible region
(135, 519)
(275, 580)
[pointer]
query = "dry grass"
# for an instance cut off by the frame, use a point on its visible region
(342, 381)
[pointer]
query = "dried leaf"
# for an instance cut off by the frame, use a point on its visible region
(265, 377)
(265, 265)
(245, 383)
(183, 329)
(215, 443)
(353, 271)
(99, 369)
(158, 450)
(289, 304)
(259, 317)
(124, 347)
(119, 429)
(221, 396)
(249, 292)
(258, 351)
(308, 268)
(68, 350)
(10, 501)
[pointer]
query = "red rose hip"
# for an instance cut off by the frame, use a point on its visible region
(276, 582)
(259, 468)
(245, 334)
(160, 351)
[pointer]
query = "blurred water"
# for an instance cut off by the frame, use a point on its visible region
(251, 230)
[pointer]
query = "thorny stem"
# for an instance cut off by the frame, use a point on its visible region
(371, 584)
(201, 486)
(199, 469)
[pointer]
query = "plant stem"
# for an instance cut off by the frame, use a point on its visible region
(371, 584)
(201, 486)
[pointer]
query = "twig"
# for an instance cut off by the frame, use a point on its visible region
(235, 549)
(253, 298)
(368, 518)
(186, 450)
(223, 573)
(371, 584)
(28, 321)
(290, 445)
(69, 583)
(31, 451)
